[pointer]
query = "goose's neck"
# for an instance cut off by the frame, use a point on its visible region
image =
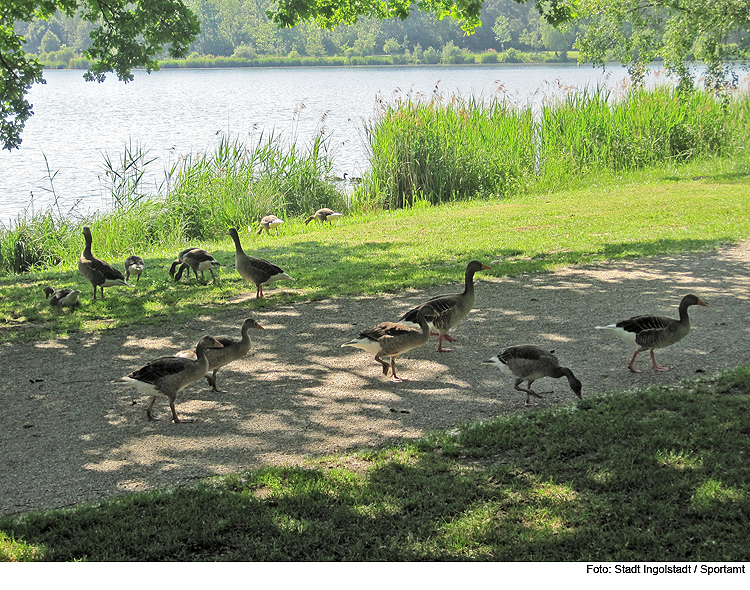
(558, 372)
(237, 244)
(201, 358)
(422, 320)
(469, 282)
(684, 318)
(87, 247)
(245, 340)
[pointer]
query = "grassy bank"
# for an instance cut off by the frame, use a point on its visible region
(698, 207)
(651, 476)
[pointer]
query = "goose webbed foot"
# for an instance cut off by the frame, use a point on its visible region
(385, 365)
(655, 366)
(395, 377)
(632, 360)
(179, 420)
(212, 382)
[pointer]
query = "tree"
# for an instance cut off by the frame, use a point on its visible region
(128, 34)
(330, 13)
(637, 32)
(501, 29)
(50, 42)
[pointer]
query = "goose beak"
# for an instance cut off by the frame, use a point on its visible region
(485, 267)
(701, 302)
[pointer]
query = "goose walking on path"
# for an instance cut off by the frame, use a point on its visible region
(97, 272)
(166, 376)
(256, 270)
(449, 309)
(392, 340)
(529, 363)
(134, 265)
(62, 297)
(323, 215)
(268, 223)
(198, 260)
(231, 350)
(649, 332)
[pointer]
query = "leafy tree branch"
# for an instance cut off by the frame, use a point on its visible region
(128, 35)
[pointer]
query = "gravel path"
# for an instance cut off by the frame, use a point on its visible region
(69, 435)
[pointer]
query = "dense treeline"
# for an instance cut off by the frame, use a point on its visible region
(241, 29)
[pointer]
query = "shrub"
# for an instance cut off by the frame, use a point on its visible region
(431, 56)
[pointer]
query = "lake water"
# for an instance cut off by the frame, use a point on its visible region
(177, 112)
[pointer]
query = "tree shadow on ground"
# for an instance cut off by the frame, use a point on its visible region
(72, 436)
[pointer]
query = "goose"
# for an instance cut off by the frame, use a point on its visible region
(197, 260)
(449, 309)
(231, 350)
(649, 332)
(166, 376)
(134, 265)
(178, 261)
(323, 215)
(255, 270)
(98, 272)
(62, 297)
(268, 223)
(529, 363)
(391, 339)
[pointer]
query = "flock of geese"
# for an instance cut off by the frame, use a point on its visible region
(167, 376)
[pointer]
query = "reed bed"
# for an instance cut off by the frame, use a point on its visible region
(235, 185)
(444, 151)
(453, 150)
(589, 132)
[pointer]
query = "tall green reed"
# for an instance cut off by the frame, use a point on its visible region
(588, 131)
(449, 150)
(237, 184)
(124, 176)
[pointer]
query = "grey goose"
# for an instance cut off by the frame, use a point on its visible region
(166, 376)
(231, 351)
(392, 340)
(449, 309)
(528, 363)
(97, 272)
(649, 332)
(255, 270)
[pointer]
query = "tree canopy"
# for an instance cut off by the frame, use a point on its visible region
(330, 13)
(636, 32)
(128, 34)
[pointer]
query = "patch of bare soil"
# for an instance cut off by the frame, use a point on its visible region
(69, 434)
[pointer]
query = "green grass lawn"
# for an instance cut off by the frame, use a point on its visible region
(654, 475)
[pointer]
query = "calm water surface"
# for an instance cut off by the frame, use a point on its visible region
(173, 113)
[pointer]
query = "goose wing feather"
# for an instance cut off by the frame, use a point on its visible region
(162, 367)
(104, 271)
(386, 330)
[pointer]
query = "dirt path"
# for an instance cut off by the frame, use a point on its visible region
(68, 435)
